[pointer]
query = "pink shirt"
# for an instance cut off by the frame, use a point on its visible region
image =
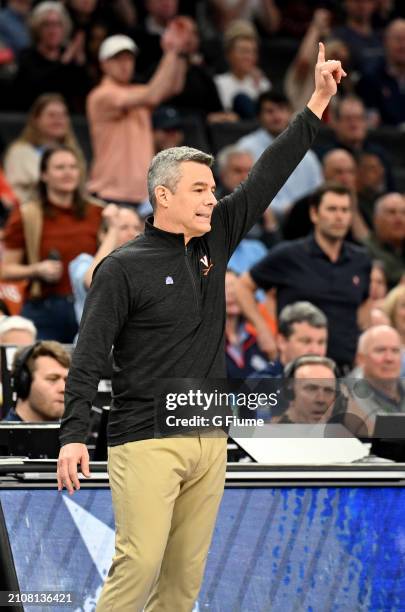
(122, 143)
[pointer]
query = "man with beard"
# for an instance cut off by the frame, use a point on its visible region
(322, 268)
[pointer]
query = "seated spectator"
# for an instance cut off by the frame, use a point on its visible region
(302, 330)
(225, 12)
(39, 376)
(14, 32)
(371, 184)
(323, 268)
(382, 88)
(243, 357)
(52, 63)
(48, 124)
(350, 131)
(313, 390)
(380, 389)
(17, 330)
(387, 241)
(274, 114)
(119, 225)
(168, 130)
(299, 79)
(44, 235)
(8, 199)
(358, 33)
(119, 115)
(240, 87)
(233, 167)
(338, 166)
(371, 311)
(394, 307)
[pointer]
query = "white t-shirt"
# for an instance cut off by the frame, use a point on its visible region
(229, 86)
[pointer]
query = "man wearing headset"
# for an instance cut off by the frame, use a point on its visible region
(312, 389)
(39, 376)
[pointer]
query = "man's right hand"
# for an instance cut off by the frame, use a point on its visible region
(70, 456)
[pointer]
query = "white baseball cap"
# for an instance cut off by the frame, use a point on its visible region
(115, 44)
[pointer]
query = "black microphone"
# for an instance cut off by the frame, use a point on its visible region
(54, 255)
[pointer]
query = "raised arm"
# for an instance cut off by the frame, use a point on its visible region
(245, 206)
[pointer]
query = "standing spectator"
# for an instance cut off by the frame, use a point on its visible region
(43, 236)
(119, 115)
(240, 87)
(387, 241)
(358, 33)
(323, 268)
(382, 89)
(274, 114)
(53, 63)
(48, 124)
(14, 32)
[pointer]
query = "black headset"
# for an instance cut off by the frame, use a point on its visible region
(310, 359)
(21, 375)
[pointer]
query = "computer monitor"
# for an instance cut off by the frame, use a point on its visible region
(33, 440)
(389, 437)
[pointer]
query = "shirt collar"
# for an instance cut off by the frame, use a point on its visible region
(315, 250)
(162, 235)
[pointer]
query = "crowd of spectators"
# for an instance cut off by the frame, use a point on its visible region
(226, 77)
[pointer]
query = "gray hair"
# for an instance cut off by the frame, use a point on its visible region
(227, 152)
(300, 312)
(39, 13)
(165, 168)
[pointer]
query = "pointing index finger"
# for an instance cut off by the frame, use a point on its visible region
(321, 53)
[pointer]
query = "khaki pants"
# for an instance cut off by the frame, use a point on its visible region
(166, 494)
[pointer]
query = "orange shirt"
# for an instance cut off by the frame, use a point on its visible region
(122, 144)
(63, 232)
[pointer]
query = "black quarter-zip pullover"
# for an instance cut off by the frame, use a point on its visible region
(161, 304)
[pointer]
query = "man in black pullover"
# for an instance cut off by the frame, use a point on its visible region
(159, 302)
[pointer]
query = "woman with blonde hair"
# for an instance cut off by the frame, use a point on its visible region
(48, 124)
(43, 236)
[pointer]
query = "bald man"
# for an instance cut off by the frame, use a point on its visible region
(387, 241)
(380, 389)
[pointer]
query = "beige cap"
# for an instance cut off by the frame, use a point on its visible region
(115, 44)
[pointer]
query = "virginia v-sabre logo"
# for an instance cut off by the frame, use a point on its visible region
(207, 265)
